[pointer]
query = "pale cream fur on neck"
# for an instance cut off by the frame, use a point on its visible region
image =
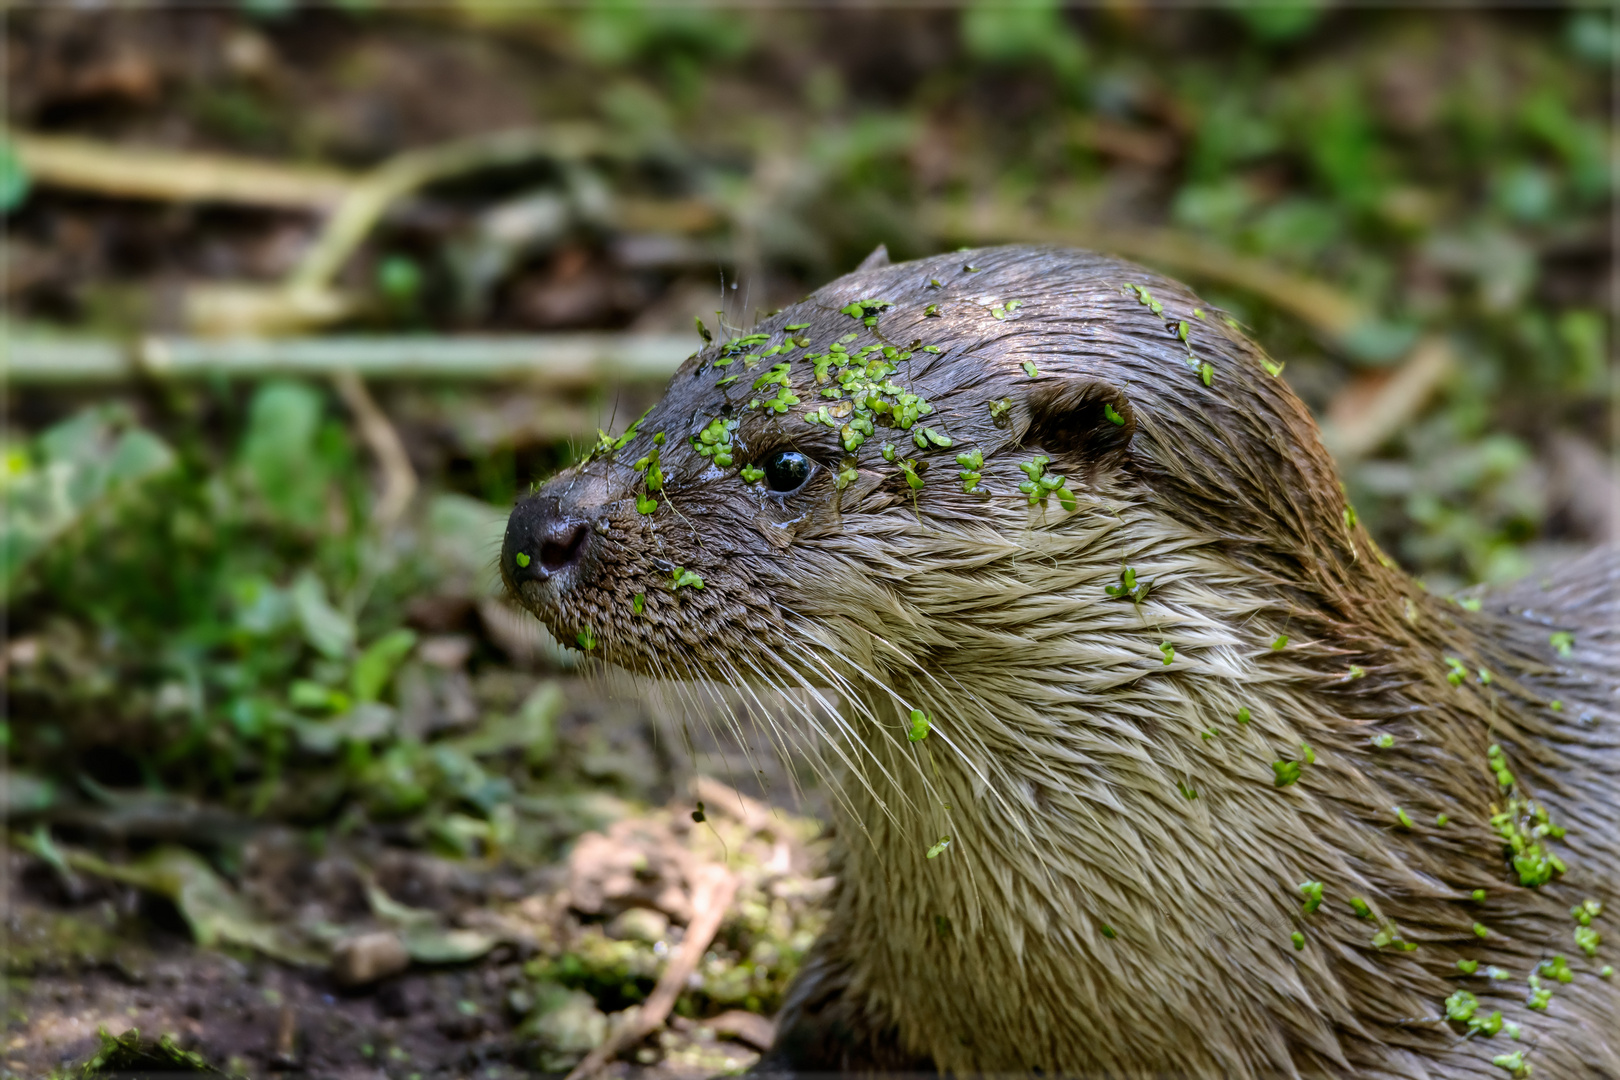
(1062, 754)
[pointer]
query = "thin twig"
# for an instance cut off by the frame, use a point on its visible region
(378, 433)
(710, 898)
(367, 201)
(134, 172)
(565, 361)
(1326, 309)
(1376, 405)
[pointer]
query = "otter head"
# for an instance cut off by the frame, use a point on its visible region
(833, 492)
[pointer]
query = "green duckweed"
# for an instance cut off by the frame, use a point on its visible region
(919, 726)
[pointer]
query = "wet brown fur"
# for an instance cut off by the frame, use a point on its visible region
(1064, 745)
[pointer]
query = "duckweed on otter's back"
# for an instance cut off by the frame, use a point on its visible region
(919, 726)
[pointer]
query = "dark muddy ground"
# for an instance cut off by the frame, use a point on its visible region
(563, 941)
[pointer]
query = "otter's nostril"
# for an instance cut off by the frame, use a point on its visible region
(561, 546)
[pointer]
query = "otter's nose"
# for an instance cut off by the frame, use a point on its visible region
(542, 541)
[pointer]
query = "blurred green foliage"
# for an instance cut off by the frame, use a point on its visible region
(215, 618)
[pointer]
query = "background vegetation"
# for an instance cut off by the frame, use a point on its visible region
(211, 626)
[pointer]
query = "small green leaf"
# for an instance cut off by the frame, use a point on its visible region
(1030, 368)
(1563, 641)
(1513, 1063)
(1360, 907)
(1296, 937)
(1243, 715)
(1468, 967)
(1383, 742)
(1273, 368)
(522, 559)
(939, 846)
(375, 666)
(1112, 415)
(919, 726)
(1169, 652)
(1481, 930)
(646, 504)
(586, 639)
(1280, 644)
(638, 603)
(14, 179)
(1403, 817)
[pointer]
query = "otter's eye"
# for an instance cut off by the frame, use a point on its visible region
(787, 471)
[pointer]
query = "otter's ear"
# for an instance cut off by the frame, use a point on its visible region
(878, 258)
(1087, 421)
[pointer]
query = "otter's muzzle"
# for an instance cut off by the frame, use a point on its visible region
(544, 544)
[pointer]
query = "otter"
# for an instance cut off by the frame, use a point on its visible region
(1152, 763)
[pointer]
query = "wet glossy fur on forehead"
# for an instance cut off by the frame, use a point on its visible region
(1122, 877)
